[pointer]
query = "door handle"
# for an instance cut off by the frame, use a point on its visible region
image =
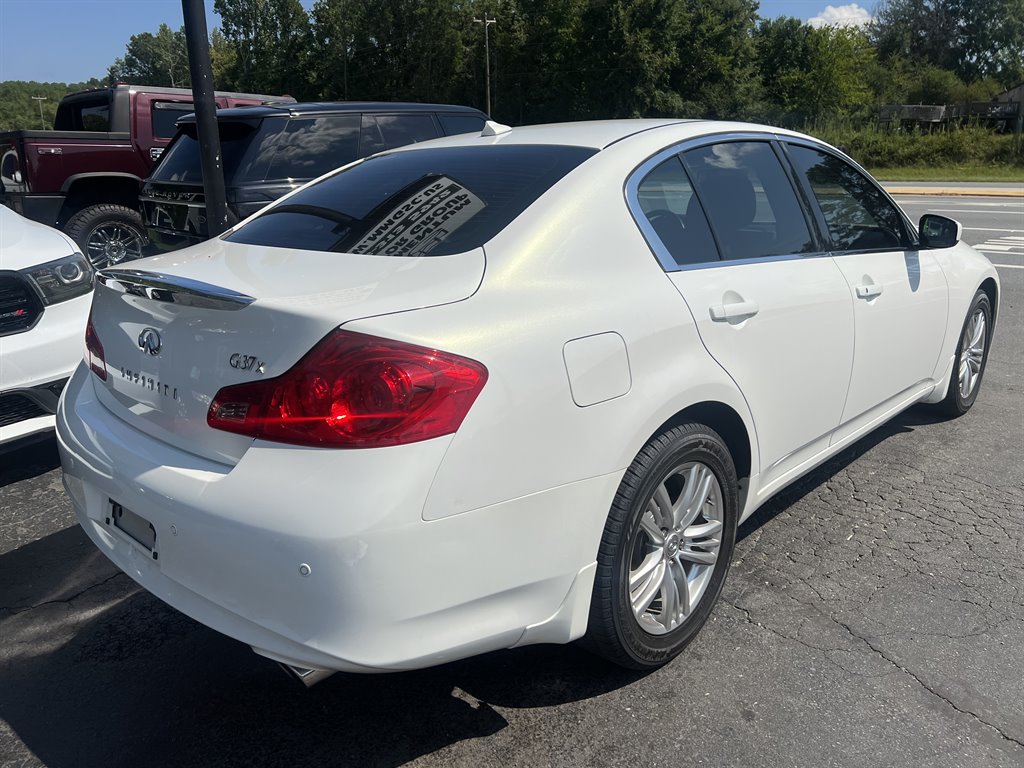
(868, 291)
(737, 310)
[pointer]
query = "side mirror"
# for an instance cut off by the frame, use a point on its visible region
(939, 231)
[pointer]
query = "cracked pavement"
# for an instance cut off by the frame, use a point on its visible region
(874, 616)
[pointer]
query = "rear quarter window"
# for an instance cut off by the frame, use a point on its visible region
(399, 130)
(452, 125)
(166, 114)
(429, 202)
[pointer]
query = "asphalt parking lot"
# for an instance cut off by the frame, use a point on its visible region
(874, 616)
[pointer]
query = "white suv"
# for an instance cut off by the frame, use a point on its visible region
(45, 289)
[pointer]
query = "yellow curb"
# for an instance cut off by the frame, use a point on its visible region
(955, 191)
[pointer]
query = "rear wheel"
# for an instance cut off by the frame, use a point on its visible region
(108, 234)
(971, 357)
(666, 548)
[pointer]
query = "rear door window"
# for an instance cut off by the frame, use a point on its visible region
(858, 215)
(749, 200)
(312, 146)
(430, 202)
(675, 214)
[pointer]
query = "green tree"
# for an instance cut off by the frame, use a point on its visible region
(631, 48)
(991, 41)
(19, 111)
(972, 38)
(717, 72)
(934, 85)
(222, 60)
(391, 49)
(813, 73)
(160, 59)
(271, 41)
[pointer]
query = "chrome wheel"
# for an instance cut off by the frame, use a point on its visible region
(675, 548)
(113, 243)
(972, 352)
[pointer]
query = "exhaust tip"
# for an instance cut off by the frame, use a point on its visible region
(308, 677)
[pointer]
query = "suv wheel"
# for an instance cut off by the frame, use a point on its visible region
(108, 234)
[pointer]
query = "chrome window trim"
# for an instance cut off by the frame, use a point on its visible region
(632, 193)
(172, 289)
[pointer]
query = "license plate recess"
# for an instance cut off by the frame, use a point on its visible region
(134, 526)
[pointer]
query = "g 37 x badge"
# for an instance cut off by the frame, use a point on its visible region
(246, 362)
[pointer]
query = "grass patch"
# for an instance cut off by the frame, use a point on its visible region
(968, 153)
(951, 173)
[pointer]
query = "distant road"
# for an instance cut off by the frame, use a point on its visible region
(957, 188)
(993, 225)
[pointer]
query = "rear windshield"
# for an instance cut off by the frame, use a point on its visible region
(428, 202)
(247, 147)
(84, 114)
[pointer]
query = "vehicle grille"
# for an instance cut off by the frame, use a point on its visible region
(20, 308)
(15, 408)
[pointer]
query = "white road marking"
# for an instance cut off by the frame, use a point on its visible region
(990, 229)
(964, 210)
(1009, 266)
(994, 247)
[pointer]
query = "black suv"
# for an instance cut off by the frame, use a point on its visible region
(270, 150)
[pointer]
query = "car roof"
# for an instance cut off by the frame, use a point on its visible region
(596, 134)
(332, 107)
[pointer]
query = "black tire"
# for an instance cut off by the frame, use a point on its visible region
(108, 234)
(614, 631)
(955, 403)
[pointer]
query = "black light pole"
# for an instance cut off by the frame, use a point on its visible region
(197, 38)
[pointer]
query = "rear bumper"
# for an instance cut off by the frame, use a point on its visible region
(321, 558)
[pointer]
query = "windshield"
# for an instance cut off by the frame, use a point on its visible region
(428, 202)
(247, 147)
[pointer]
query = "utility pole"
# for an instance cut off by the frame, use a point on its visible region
(197, 40)
(39, 100)
(487, 55)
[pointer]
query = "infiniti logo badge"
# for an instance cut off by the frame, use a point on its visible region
(149, 341)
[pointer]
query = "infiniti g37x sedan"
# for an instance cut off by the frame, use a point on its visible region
(506, 388)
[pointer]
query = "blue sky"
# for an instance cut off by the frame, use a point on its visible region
(73, 40)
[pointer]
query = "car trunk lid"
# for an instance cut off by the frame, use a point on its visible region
(175, 329)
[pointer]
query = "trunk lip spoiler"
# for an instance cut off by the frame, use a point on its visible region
(172, 289)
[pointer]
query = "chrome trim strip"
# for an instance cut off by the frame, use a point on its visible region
(753, 260)
(172, 289)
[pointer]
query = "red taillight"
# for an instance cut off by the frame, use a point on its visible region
(355, 391)
(94, 350)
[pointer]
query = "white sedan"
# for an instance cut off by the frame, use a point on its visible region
(44, 302)
(510, 388)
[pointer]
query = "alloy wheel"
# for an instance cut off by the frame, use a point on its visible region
(972, 352)
(675, 548)
(113, 243)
